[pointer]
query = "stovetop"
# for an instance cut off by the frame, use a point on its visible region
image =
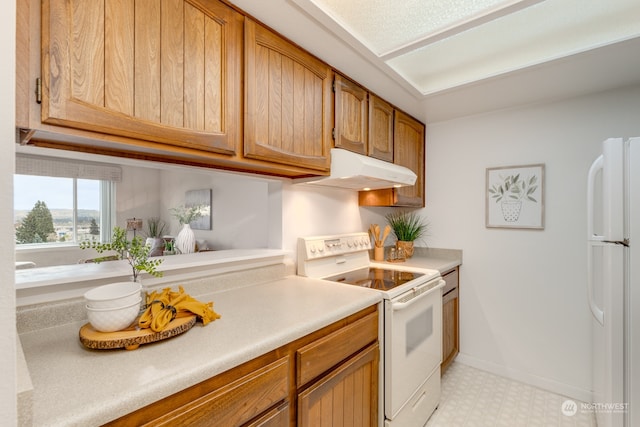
(376, 278)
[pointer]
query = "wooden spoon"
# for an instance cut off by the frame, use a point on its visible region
(387, 230)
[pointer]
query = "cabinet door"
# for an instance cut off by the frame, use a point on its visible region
(351, 115)
(162, 71)
(450, 320)
(347, 396)
(288, 102)
(408, 151)
(380, 129)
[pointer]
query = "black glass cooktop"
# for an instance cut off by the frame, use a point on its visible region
(376, 278)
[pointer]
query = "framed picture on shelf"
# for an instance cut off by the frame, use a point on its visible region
(200, 198)
(515, 197)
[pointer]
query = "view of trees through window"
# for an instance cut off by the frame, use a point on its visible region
(55, 210)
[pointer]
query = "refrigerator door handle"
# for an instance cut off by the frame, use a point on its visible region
(596, 166)
(596, 311)
(593, 238)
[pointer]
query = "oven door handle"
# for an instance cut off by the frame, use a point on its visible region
(398, 304)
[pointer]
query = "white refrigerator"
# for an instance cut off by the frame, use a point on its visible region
(613, 285)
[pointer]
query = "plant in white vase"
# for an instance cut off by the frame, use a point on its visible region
(154, 233)
(186, 238)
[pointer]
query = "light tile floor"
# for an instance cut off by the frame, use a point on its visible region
(474, 398)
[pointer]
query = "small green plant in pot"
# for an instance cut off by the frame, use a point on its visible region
(408, 227)
(154, 233)
(134, 251)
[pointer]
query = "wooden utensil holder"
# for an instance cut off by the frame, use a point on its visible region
(378, 253)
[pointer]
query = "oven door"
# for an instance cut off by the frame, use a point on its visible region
(413, 342)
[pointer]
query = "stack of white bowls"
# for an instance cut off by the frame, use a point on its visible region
(113, 307)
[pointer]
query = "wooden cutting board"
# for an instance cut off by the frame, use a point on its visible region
(131, 338)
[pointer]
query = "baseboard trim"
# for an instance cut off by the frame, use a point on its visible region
(572, 392)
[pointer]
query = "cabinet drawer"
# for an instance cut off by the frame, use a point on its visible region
(451, 295)
(321, 355)
(451, 281)
(277, 417)
(237, 402)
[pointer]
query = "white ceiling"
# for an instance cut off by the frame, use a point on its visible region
(458, 57)
(436, 45)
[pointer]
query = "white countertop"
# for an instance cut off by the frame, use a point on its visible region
(75, 386)
(442, 260)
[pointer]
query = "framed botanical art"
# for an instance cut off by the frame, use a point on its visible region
(515, 197)
(200, 198)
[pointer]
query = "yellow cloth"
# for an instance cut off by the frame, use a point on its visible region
(163, 307)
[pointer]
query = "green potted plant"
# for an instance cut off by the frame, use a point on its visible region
(408, 227)
(134, 251)
(154, 233)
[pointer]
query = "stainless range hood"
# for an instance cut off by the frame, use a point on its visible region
(357, 172)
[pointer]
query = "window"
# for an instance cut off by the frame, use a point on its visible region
(62, 202)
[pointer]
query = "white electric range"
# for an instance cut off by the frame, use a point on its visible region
(412, 320)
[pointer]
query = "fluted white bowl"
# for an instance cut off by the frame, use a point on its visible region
(113, 318)
(113, 295)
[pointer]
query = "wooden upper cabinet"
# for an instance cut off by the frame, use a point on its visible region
(380, 129)
(351, 115)
(288, 102)
(363, 121)
(163, 71)
(408, 151)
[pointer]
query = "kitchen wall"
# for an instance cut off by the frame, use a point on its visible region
(524, 308)
(314, 211)
(239, 211)
(8, 385)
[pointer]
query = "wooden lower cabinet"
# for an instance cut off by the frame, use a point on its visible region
(287, 387)
(450, 319)
(345, 397)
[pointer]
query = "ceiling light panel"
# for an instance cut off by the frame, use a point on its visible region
(546, 31)
(384, 26)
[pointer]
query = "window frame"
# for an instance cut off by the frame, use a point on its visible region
(107, 213)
